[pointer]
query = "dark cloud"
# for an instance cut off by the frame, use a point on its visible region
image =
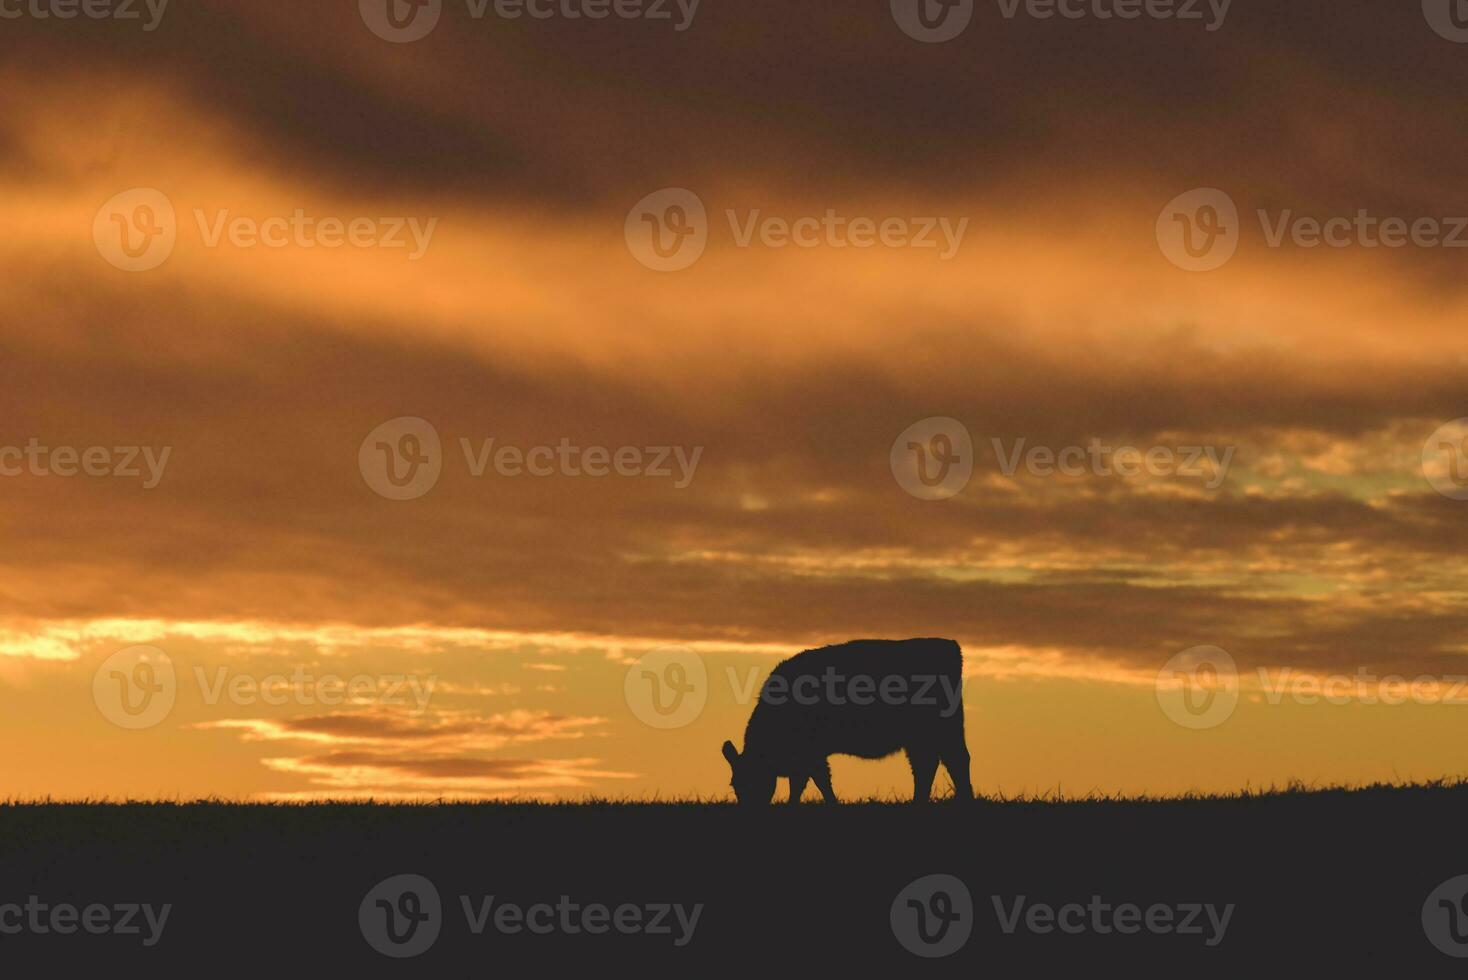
(793, 382)
(1308, 104)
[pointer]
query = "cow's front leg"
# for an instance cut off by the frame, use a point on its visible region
(797, 787)
(823, 783)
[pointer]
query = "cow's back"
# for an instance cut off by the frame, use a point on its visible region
(868, 698)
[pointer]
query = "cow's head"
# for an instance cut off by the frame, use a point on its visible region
(753, 781)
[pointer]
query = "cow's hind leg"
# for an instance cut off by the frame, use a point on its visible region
(955, 759)
(924, 762)
(797, 786)
(823, 782)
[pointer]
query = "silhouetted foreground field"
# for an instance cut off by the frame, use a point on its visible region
(1307, 880)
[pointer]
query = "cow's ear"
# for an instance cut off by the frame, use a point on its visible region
(731, 753)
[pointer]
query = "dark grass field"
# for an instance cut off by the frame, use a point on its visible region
(1319, 880)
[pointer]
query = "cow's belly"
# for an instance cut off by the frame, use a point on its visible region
(866, 735)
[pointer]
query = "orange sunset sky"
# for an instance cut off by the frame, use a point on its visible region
(518, 603)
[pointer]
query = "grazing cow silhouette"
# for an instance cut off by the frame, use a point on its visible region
(867, 698)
